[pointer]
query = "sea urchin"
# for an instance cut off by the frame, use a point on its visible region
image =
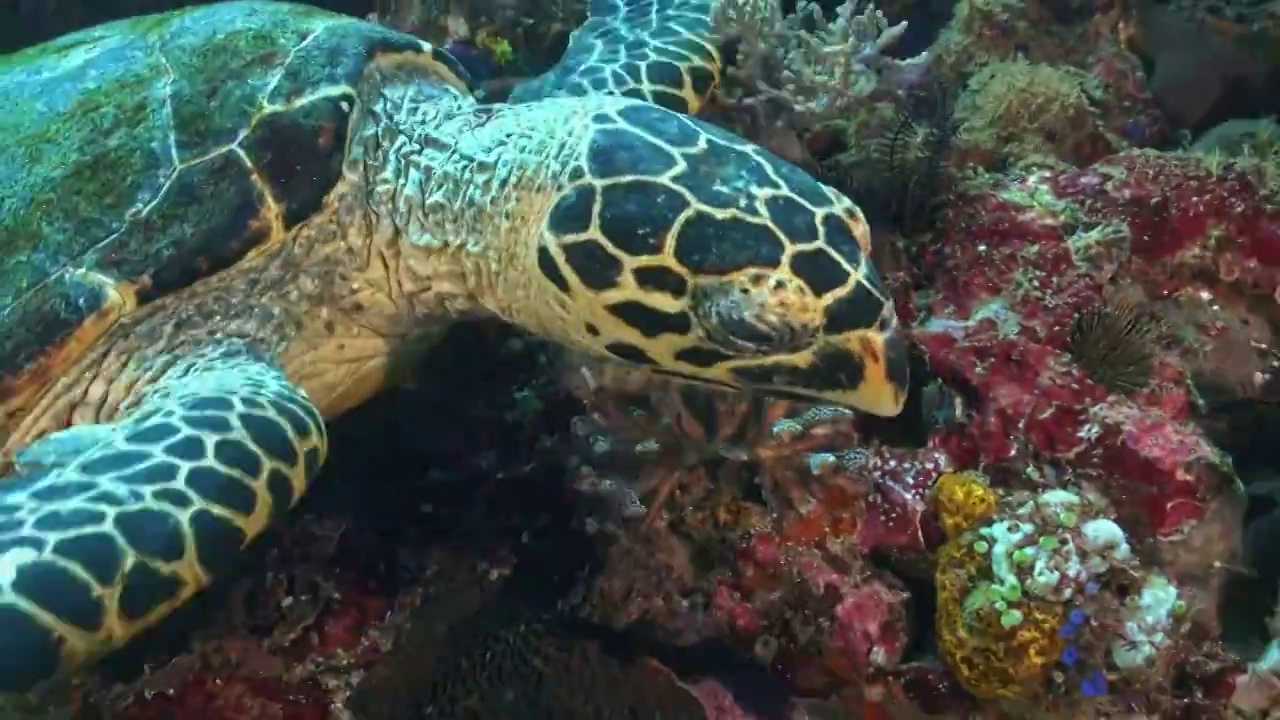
(1114, 343)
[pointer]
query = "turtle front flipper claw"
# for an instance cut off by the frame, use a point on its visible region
(106, 529)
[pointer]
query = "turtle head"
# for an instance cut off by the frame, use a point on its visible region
(685, 249)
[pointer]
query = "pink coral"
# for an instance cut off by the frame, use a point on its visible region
(784, 593)
(796, 585)
(1021, 257)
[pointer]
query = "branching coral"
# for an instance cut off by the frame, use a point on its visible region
(823, 68)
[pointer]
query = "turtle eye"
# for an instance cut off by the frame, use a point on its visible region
(757, 314)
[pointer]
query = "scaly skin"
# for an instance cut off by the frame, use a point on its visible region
(173, 429)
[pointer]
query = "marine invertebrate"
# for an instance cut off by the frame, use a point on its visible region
(1114, 343)
(1004, 585)
(994, 653)
(903, 175)
(1019, 111)
(984, 31)
(760, 516)
(834, 618)
(822, 68)
(1018, 256)
(961, 500)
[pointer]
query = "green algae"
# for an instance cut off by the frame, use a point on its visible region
(98, 125)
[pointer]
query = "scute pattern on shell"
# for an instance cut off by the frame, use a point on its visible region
(147, 153)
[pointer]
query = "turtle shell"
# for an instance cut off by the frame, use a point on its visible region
(142, 155)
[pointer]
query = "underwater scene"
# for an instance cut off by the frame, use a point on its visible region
(639, 359)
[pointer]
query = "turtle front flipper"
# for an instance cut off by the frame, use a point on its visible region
(660, 51)
(105, 529)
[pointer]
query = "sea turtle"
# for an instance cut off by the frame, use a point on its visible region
(224, 225)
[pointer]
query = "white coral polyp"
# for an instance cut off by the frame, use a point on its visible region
(1056, 573)
(1144, 621)
(1042, 549)
(1005, 537)
(1104, 537)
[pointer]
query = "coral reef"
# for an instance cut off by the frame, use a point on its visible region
(1019, 588)
(760, 524)
(822, 68)
(1042, 31)
(1067, 315)
(1017, 111)
(788, 75)
(1052, 79)
(1039, 249)
(1190, 239)
(1046, 528)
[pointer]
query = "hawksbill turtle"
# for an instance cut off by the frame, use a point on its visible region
(224, 225)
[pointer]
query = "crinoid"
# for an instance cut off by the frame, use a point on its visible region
(1114, 342)
(911, 155)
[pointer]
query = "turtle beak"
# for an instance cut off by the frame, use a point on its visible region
(863, 371)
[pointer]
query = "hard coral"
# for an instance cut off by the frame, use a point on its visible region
(821, 68)
(1004, 583)
(982, 31)
(1077, 41)
(777, 506)
(961, 500)
(1016, 111)
(1023, 256)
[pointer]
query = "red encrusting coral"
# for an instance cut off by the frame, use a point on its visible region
(797, 585)
(300, 673)
(207, 697)
(1019, 258)
(777, 587)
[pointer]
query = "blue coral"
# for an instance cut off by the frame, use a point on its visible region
(1069, 655)
(1095, 685)
(1075, 620)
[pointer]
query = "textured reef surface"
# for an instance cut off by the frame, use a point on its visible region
(1077, 205)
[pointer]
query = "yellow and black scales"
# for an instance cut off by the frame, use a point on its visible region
(223, 225)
